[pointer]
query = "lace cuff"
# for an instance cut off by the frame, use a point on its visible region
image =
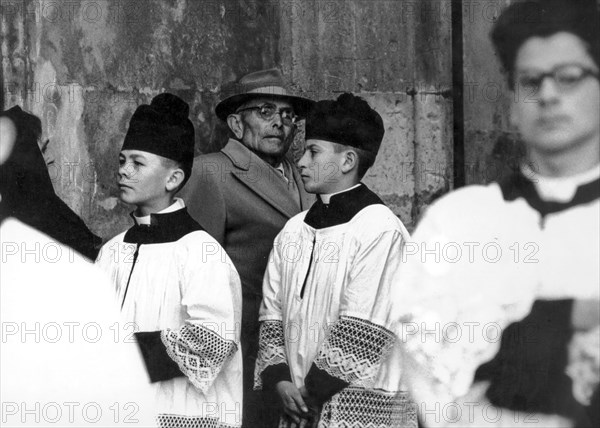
(354, 349)
(271, 350)
(199, 352)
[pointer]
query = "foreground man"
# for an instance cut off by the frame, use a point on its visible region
(500, 317)
(244, 194)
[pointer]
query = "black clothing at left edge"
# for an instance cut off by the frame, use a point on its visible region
(28, 194)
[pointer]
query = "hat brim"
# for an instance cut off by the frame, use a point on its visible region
(229, 105)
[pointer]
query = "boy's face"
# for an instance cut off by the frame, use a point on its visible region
(142, 180)
(556, 117)
(321, 167)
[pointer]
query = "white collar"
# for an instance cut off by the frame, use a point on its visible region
(281, 170)
(559, 189)
(177, 205)
(327, 196)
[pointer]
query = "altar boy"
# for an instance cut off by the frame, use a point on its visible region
(325, 346)
(175, 284)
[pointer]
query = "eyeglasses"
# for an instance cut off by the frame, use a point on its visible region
(268, 112)
(565, 76)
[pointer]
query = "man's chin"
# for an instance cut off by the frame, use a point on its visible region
(552, 144)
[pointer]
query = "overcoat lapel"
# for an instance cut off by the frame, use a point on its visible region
(260, 178)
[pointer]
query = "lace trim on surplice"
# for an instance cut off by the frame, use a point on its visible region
(354, 349)
(199, 352)
(180, 421)
(271, 349)
(360, 408)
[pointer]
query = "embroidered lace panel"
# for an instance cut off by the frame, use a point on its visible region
(354, 349)
(199, 352)
(359, 408)
(179, 421)
(271, 349)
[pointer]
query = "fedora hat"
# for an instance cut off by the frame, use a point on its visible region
(263, 83)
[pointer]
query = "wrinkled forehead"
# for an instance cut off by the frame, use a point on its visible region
(277, 102)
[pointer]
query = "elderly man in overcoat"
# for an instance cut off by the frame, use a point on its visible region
(245, 193)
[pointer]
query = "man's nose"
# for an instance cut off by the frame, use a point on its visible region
(277, 121)
(548, 91)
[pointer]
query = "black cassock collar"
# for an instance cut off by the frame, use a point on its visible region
(518, 186)
(168, 227)
(342, 207)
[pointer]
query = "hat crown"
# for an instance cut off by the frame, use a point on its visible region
(270, 77)
(269, 81)
(349, 120)
(263, 83)
(162, 128)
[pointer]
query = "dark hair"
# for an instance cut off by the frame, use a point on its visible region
(543, 18)
(365, 159)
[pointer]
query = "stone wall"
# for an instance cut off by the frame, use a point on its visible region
(83, 66)
(491, 148)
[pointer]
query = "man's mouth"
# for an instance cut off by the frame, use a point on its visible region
(552, 119)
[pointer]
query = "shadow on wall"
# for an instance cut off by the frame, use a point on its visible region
(508, 154)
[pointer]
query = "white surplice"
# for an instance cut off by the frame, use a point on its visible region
(477, 262)
(66, 356)
(178, 280)
(326, 299)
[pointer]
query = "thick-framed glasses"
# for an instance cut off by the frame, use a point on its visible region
(268, 112)
(566, 77)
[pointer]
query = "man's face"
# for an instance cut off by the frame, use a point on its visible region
(270, 139)
(142, 179)
(321, 167)
(554, 119)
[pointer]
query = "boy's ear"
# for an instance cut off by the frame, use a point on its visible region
(174, 179)
(234, 121)
(350, 161)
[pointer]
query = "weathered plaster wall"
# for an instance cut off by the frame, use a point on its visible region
(491, 149)
(397, 55)
(83, 66)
